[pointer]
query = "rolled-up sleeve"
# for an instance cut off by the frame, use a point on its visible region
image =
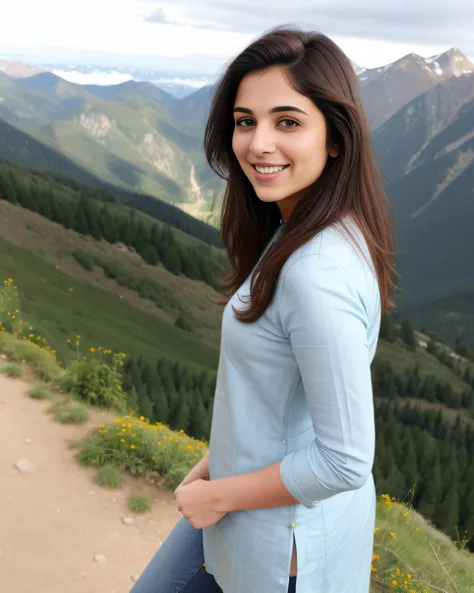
(325, 317)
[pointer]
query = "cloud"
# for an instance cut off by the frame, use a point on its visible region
(405, 21)
(157, 16)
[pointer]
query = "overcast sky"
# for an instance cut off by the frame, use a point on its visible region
(201, 35)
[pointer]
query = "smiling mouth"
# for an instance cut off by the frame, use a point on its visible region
(268, 170)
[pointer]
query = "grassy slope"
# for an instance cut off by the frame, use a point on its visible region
(58, 306)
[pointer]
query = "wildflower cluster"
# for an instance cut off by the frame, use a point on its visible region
(12, 322)
(139, 446)
(387, 553)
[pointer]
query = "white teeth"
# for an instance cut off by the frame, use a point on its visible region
(269, 169)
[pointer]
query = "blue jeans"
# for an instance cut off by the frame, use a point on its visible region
(178, 565)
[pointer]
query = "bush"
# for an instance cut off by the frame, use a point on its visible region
(84, 259)
(12, 370)
(38, 392)
(109, 476)
(69, 413)
(97, 381)
(139, 503)
(185, 321)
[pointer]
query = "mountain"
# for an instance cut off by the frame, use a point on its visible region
(17, 69)
(387, 89)
(426, 156)
(124, 135)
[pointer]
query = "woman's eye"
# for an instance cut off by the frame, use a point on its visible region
(290, 123)
(244, 123)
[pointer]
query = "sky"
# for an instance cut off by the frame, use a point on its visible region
(200, 37)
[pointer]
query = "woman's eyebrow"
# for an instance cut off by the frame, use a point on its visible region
(272, 110)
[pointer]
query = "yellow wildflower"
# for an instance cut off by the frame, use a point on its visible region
(159, 443)
(417, 529)
(132, 446)
(405, 583)
(92, 350)
(122, 440)
(3, 329)
(405, 514)
(153, 459)
(373, 569)
(397, 572)
(392, 535)
(394, 583)
(142, 417)
(408, 576)
(10, 280)
(101, 426)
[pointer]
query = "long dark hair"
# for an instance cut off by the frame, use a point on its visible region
(350, 184)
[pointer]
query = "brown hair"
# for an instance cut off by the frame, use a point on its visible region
(350, 183)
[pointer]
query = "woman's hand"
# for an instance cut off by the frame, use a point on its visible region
(196, 501)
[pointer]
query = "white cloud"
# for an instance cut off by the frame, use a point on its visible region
(94, 77)
(116, 32)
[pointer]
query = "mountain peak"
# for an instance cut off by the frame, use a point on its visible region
(17, 69)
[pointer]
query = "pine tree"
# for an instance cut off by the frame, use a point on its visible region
(447, 513)
(407, 334)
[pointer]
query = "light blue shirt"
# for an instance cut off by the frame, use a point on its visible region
(295, 386)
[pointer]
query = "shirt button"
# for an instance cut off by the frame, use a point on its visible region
(293, 524)
(284, 441)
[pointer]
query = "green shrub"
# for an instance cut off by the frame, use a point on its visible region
(38, 392)
(12, 370)
(84, 259)
(96, 382)
(109, 476)
(69, 412)
(185, 321)
(139, 503)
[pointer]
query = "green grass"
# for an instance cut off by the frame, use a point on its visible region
(415, 548)
(139, 503)
(12, 370)
(109, 476)
(59, 306)
(44, 365)
(39, 392)
(69, 412)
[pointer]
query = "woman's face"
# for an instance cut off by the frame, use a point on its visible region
(279, 138)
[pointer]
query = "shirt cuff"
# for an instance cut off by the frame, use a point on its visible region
(293, 472)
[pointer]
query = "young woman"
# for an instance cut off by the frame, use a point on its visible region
(285, 498)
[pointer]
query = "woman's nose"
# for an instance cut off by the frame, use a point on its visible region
(262, 141)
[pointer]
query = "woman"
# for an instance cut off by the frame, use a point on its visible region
(285, 499)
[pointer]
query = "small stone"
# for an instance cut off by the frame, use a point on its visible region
(25, 466)
(4, 401)
(83, 575)
(127, 520)
(28, 441)
(100, 558)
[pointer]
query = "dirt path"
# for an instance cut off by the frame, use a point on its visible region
(54, 520)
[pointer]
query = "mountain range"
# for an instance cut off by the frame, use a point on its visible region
(139, 139)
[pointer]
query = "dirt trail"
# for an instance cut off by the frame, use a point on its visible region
(54, 520)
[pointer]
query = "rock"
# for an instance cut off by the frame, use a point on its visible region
(28, 441)
(83, 575)
(127, 520)
(133, 578)
(4, 401)
(25, 466)
(100, 558)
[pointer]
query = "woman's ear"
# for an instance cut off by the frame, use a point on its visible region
(333, 151)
